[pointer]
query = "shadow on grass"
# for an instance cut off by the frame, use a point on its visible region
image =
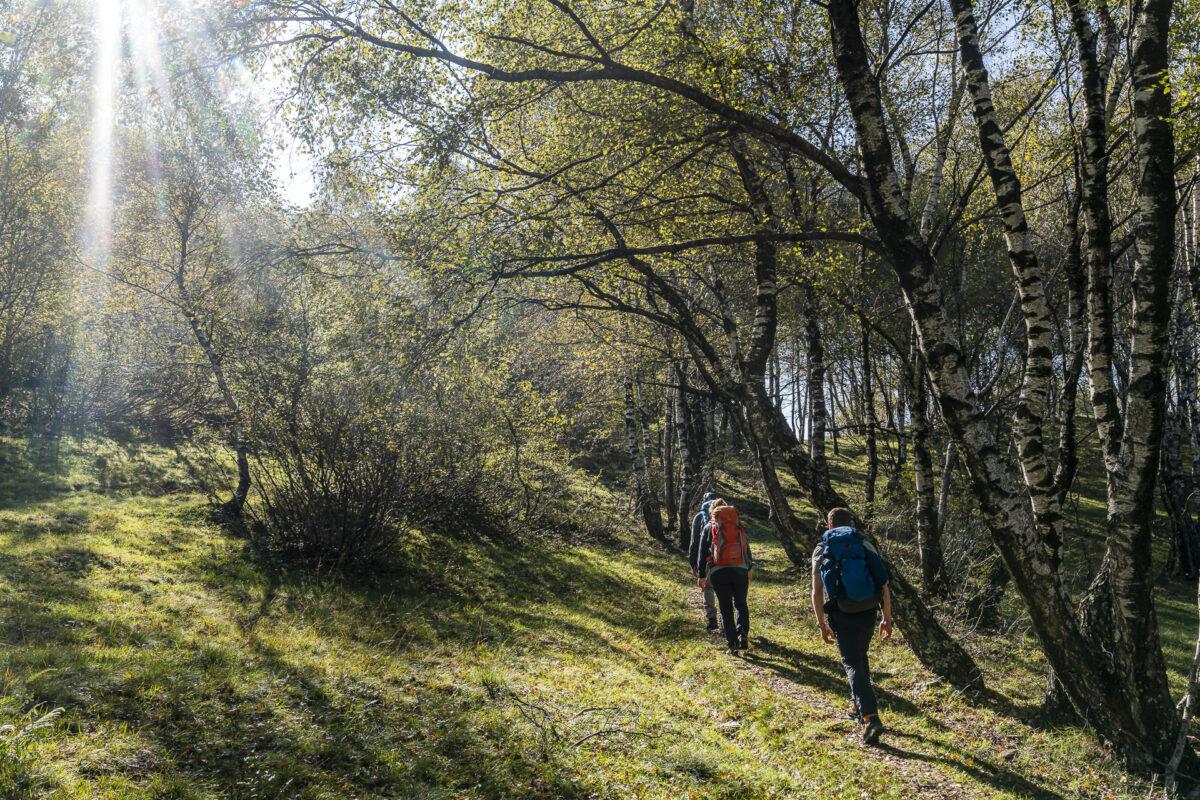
(821, 672)
(980, 769)
(239, 714)
(33, 473)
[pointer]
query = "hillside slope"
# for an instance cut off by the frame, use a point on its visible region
(186, 668)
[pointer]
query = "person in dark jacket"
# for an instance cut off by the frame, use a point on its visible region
(851, 629)
(710, 597)
(730, 582)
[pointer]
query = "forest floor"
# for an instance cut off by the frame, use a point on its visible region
(186, 668)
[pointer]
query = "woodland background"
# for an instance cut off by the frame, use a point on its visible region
(377, 487)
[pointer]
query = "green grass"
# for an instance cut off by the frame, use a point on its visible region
(187, 669)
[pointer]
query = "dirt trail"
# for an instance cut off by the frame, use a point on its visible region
(900, 751)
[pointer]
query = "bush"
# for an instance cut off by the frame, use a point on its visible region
(342, 477)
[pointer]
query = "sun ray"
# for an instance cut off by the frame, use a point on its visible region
(106, 77)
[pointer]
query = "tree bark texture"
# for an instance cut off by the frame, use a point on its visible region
(1098, 220)
(1028, 417)
(1137, 654)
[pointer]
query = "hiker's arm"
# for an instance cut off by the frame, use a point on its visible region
(702, 555)
(694, 543)
(749, 559)
(818, 604)
(885, 626)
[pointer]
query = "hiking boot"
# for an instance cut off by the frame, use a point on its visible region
(872, 730)
(856, 715)
(732, 651)
(743, 642)
(713, 626)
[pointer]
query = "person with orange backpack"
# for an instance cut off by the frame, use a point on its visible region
(724, 561)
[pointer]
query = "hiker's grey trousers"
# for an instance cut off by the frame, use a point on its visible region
(710, 601)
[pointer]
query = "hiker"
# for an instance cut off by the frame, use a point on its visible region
(698, 523)
(724, 561)
(849, 585)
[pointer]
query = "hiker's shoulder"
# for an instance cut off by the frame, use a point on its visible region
(818, 556)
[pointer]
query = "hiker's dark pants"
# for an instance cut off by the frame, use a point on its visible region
(853, 632)
(730, 586)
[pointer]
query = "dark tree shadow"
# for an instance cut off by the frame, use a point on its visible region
(980, 769)
(822, 672)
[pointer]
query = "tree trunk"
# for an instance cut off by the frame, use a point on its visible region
(818, 413)
(948, 466)
(1068, 456)
(868, 417)
(929, 540)
(688, 456)
(234, 505)
(788, 530)
(647, 459)
(667, 444)
(1176, 484)
(1191, 242)
(1138, 656)
(1175, 490)
(644, 498)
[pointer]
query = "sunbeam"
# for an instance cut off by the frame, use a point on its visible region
(106, 77)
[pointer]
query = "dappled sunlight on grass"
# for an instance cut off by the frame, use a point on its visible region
(187, 668)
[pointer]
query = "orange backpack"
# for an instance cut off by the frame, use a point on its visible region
(729, 546)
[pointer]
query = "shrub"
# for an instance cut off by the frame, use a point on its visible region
(342, 477)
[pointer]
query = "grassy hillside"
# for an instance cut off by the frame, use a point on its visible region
(185, 668)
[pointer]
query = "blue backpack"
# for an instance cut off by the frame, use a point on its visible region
(853, 575)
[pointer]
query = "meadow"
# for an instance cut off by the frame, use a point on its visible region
(187, 665)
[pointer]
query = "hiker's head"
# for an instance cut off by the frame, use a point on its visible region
(840, 517)
(709, 496)
(715, 504)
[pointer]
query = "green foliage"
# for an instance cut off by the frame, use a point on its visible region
(42, 146)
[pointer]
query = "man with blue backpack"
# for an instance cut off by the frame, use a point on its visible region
(849, 586)
(698, 523)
